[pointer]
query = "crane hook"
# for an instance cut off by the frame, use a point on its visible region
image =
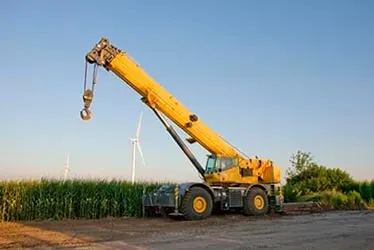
(88, 94)
(87, 99)
(85, 114)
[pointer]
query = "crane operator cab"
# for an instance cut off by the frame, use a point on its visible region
(234, 171)
(217, 164)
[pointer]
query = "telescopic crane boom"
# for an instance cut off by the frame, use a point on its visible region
(226, 167)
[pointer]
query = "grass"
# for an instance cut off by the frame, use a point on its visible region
(371, 204)
(73, 199)
(336, 200)
(352, 196)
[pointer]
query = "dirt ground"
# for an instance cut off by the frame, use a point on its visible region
(332, 230)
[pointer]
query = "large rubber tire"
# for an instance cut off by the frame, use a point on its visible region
(256, 202)
(197, 204)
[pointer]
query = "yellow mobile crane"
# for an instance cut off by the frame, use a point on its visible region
(231, 180)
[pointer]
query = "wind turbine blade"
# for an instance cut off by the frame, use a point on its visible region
(139, 125)
(141, 153)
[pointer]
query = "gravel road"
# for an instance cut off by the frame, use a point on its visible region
(333, 230)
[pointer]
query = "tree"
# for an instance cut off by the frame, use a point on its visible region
(305, 176)
(299, 162)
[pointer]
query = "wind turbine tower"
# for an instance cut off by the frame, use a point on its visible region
(136, 145)
(66, 166)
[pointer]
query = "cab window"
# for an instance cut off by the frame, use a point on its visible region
(224, 163)
(210, 164)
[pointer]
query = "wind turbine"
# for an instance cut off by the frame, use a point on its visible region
(136, 144)
(66, 166)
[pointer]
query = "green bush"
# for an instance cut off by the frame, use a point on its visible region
(338, 200)
(365, 190)
(307, 180)
(371, 203)
(355, 200)
(351, 186)
(291, 194)
(307, 177)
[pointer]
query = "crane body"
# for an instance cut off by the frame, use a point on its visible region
(231, 179)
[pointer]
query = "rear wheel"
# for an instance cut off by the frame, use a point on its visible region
(256, 202)
(197, 204)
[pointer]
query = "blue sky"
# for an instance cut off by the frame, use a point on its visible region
(271, 77)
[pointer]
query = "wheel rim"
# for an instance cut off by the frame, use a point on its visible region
(259, 202)
(199, 204)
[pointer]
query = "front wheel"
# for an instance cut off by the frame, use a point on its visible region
(256, 202)
(197, 204)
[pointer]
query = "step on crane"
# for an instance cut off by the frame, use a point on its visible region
(231, 180)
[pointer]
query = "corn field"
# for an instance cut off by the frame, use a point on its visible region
(72, 199)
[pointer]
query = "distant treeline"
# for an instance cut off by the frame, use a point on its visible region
(307, 180)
